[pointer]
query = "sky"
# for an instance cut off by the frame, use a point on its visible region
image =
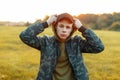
(32, 10)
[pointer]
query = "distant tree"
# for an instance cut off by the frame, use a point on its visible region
(101, 22)
(39, 20)
(116, 16)
(115, 26)
(88, 19)
(27, 23)
(45, 18)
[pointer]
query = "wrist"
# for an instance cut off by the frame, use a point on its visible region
(79, 26)
(45, 24)
(82, 29)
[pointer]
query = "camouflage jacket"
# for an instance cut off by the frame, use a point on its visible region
(50, 50)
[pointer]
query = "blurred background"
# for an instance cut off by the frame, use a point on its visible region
(21, 62)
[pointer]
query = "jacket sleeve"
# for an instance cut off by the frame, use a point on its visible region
(91, 43)
(29, 36)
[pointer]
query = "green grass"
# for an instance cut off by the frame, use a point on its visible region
(21, 62)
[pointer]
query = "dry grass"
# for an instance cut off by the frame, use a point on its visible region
(21, 62)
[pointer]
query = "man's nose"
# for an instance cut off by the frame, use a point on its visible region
(64, 30)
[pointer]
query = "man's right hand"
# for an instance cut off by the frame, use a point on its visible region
(52, 19)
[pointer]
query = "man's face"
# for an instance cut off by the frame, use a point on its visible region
(64, 28)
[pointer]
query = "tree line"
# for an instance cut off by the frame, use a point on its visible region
(101, 21)
(106, 21)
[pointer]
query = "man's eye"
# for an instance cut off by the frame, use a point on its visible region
(61, 26)
(68, 27)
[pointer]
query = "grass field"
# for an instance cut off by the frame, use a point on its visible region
(21, 62)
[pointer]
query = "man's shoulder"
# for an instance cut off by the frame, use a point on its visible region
(48, 38)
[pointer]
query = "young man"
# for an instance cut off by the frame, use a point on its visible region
(61, 54)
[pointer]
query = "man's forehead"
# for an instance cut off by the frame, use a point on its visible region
(65, 23)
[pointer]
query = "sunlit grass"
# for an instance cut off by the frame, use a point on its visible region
(21, 62)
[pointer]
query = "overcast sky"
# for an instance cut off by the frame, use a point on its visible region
(31, 10)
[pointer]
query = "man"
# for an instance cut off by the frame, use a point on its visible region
(61, 54)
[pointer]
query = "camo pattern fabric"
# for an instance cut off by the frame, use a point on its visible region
(50, 50)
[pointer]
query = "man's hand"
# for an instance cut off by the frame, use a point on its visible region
(52, 19)
(77, 23)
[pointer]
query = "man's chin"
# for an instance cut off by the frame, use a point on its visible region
(62, 39)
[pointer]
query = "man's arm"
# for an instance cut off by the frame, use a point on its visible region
(92, 43)
(29, 36)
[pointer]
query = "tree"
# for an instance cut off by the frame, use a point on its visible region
(115, 26)
(27, 24)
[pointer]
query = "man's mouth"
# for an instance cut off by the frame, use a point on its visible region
(63, 35)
